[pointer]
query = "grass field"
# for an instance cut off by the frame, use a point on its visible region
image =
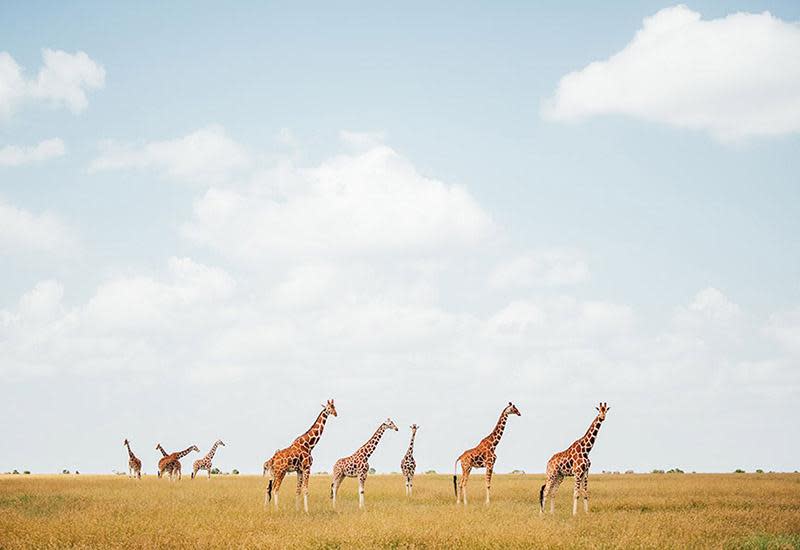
(668, 511)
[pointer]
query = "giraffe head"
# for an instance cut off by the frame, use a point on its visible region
(414, 428)
(390, 424)
(219, 441)
(603, 408)
(125, 442)
(195, 449)
(330, 408)
(512, 409)
(159, 447)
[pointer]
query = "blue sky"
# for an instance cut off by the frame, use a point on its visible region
(260, 208)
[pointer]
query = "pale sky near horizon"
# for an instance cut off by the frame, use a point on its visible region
(212, 220)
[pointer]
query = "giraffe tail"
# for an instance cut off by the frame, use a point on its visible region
(455, 478)
(331, 490)
(269, 491)
(541, 497)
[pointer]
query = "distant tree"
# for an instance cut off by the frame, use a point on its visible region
(518, 472)
(15, 472)
(759, 471)
(372, 470)
(431, 472)
(27, 472)
(322, 473)
(77, 472)
(215, 471)
(235, 472)
(738, 471)
(629, 471)
(658, 471)
(675, 471)
(65, 471)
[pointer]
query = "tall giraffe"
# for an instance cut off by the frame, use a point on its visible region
(205, 462)
(482, 456)
(296, 458)
(574, 461)
(166, 462)
(173, 467)
(134, 464)
(408, 465)
(357, 464)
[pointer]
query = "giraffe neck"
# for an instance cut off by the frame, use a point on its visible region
(213, 450)
(369, 447)
(590, 436)
(313, 434)
(410, 450)
(182, 454)
(163, 452)
(497, 433)
(130, 453)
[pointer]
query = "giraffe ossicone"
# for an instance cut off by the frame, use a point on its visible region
(573, 461)
(357, 464)
(483, 455)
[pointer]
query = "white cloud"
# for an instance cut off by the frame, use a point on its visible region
(205, 156)
(710, 307)
(22, 231)
(784, 328)
(372, 201)
(64, 80)
(13, 155)
(544, 267)
(735, 77)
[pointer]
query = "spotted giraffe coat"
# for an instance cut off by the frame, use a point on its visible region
(357, 464)
(134, 464)
(205, 462)
(169, 462)
(483, 455)
(408, 465)
(573, 461)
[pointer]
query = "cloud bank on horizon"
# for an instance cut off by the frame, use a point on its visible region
(736, 77)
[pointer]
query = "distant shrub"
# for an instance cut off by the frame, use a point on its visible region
(430, 472)
(759, 471)
(215, 471)
(235, 472)
(65, 471)
(738, 471)
(27, 472)
(629, 471)
(77, 473)
(372, 470)
(15, 472)
(657, 471)
(518, 472)
(675, 471)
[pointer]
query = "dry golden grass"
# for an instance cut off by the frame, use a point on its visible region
(628, 511)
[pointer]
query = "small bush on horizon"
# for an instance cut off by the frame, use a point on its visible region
(26, 472)
(215, 471)
(431, 472)
(657, 472)
(759, 471)
(675, 471)
(738, 471)
(235, 472)
(65, 471)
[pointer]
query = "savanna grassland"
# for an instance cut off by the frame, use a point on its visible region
(628, 511)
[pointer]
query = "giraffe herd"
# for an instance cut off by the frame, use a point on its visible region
(572, 462)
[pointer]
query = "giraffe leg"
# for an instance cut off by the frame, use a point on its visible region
(553, 490)
(298, 489)
(488, 482)
(585, 490)
(277, 485)
(306, 476)
(575, 493)
(362, 479)
(208, 470)
(410, 485)
(337, 480)
(463, 486)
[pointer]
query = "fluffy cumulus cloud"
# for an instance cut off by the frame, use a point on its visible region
(735, 77)
(22, 231)
(205, 156)
(545, 267)
(370, 201)
(63, 81)
(12, 155)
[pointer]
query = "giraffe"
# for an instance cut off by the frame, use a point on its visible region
(173, 467)
(574, 461)
(205, 462)
(166, 462)
(134, 464)
(482, 456)
(296, 458)
(357, 464)
(408, 464)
